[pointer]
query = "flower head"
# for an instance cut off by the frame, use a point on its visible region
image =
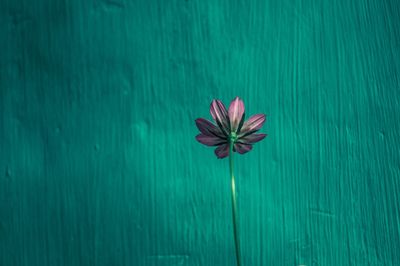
(230, 128)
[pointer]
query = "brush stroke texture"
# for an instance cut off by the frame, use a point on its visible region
(98, 162)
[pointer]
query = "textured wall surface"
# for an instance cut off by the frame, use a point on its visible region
(99, 165)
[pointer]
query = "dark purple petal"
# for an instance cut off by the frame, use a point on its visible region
(220, 115)
(252, 138)
(222, 151)
(208, 128)
(236, 111)
(253, 124)
(210, 141)
(243, 148)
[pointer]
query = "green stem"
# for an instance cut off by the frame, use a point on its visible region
(234, 208)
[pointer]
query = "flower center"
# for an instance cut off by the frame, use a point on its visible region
(233, 137)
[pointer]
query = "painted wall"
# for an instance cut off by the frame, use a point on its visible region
(99, 165)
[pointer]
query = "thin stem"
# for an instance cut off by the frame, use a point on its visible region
(234, 208)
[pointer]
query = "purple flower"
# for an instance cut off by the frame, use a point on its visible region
(230, 127)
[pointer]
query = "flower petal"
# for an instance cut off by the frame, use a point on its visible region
(220, 115)
(253, 124)
(208, 128)
(243, 148)
(210, 141)
(236, 111)
(252, 138)
(222, 151)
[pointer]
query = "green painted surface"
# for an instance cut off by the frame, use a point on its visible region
(99, 165)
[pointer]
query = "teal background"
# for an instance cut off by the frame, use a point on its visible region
(99, 165)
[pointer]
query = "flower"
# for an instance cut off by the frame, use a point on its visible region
(230, 127)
